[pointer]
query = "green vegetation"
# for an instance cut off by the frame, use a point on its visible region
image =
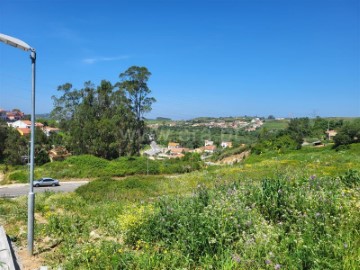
(297, 209)
(194, 137)
(272, 124)
(87, 166)
(105, 121)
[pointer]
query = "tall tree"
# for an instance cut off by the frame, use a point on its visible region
(97, 120)
(134, 83)
(65, 106)
(16, 147)
(3, 136)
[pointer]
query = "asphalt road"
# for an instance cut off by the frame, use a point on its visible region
(17, 190)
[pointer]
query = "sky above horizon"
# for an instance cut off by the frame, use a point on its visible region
(287, 58)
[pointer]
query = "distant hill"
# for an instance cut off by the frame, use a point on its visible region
(163, 119)
(43, 116)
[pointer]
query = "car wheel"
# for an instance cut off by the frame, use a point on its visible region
(37, 185)
(54, 185)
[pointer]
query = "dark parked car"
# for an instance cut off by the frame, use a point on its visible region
(45, 182)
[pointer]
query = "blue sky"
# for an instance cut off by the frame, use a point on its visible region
(288, 58)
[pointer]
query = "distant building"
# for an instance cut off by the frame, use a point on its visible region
(24, 124)
(11, 116)
(226, 144)
(24, 131)
(331, 134)
(178, 151)
(207, 143)
(172, 145)
(210, 148)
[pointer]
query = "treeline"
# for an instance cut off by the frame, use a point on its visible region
(106, 121)
(194, 137)
(14, 148)
(300, 128)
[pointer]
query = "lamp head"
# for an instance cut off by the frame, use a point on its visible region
(15, 42)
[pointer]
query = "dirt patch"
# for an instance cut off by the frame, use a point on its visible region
(235, 158)
(27, 262)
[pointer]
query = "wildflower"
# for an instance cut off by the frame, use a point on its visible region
(345, 245)
(236, 258)
(312, 177)
(267, 261)
(212, 241)
(277, 266)
(317, 214)
(248, 223)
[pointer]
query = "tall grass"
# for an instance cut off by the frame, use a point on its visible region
(273, 213)
(87, 166)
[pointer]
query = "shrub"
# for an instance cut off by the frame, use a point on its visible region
(351, 178)
(19, 176)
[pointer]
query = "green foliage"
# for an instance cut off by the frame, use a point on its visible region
(351, 178)
(134, 84)
(349, 133)
(109, 190)
(19, 176)
(194, 137)
(16, 147)
(87, 166)
(42, 157)
(104, 120)
(3, 136)
(295, 210)
(277, 142)
(229, 152)
(305, 227)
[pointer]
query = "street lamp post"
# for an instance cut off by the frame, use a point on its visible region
(31, 198)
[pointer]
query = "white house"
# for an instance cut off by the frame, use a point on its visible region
(226, 144)
(23, 124)
(208, 143)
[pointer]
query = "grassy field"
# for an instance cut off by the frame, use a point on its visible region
(270, 124)
(295, 210)
(87, 166)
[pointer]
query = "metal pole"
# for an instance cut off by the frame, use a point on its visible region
(31, 197)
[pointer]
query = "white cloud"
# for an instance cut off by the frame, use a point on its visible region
(91, 61)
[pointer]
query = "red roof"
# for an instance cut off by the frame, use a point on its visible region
(24, 131)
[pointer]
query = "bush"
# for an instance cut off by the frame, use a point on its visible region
(19, 176)
(351, 178)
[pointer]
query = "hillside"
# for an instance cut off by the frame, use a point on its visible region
(294, 210)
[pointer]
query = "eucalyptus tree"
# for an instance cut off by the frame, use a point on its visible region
(134, 84)
(94, 119)
(3, 136)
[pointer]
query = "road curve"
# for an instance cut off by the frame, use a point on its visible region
(17, 190)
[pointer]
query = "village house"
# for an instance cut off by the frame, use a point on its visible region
(331, 134)
(207, 143)
(178, 152)
(172, 145)
(226, 144)
(11, 116)
(24, 131)
(24, 127)
(24, 124)
(50, 130)
(210, 148)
